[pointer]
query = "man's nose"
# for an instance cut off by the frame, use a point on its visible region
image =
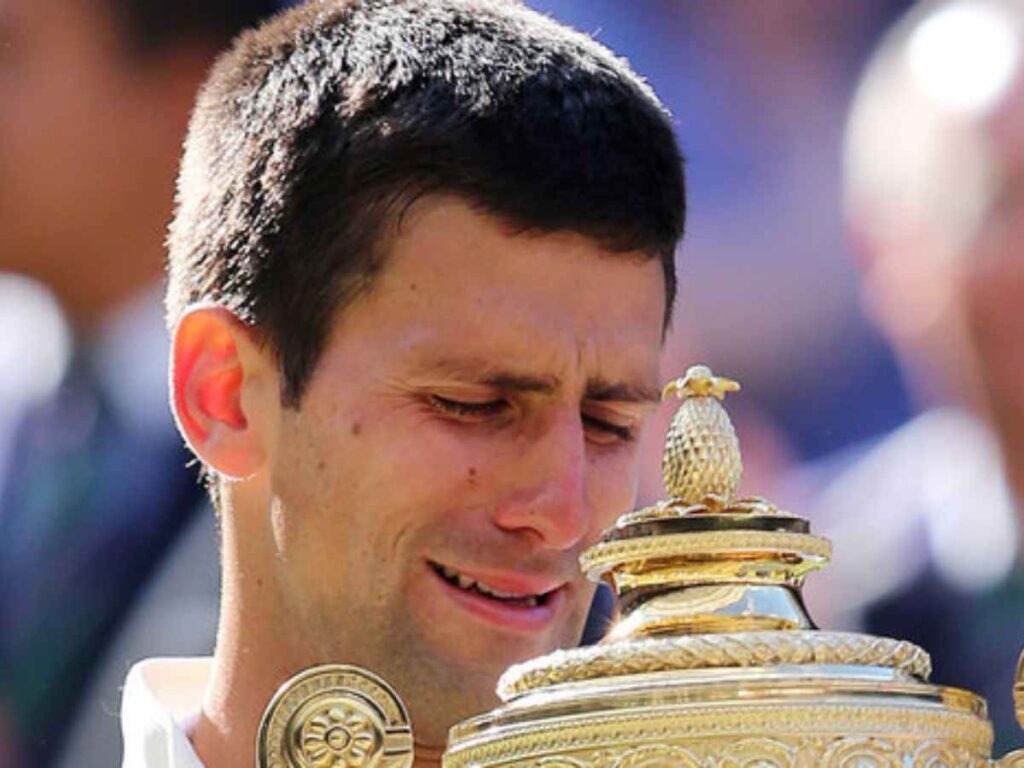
(550, 496)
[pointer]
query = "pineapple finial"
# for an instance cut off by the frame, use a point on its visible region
(701, 463)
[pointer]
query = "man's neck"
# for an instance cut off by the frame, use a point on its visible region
(426, 757)
(255, 655)
(225, 734)
(250, 662)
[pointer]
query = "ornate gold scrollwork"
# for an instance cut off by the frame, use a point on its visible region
(335, 716)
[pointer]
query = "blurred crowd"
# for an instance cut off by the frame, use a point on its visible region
(856, 188)
(95, 491)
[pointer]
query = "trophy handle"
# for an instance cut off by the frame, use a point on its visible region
(335, 715)
(1015, 759)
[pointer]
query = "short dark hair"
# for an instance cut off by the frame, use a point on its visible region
(317, 130)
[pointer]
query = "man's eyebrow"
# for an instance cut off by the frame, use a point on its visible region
(488, 374)
(522, 382)
(622, 391)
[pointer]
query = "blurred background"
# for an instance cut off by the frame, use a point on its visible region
(853, 257)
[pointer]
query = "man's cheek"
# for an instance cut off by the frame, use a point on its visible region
(615, 491)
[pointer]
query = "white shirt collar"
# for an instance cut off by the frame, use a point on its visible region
(159, 708)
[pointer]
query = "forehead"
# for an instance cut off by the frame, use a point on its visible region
(457, 280)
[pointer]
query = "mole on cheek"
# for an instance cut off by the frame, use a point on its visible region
(357, 428)
(472, 475)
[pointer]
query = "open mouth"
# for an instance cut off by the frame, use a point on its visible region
(474, 586)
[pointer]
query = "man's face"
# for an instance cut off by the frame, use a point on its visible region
(471, 427)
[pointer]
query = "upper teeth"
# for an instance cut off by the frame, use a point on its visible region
(467, 583)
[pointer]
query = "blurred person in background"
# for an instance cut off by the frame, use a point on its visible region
(94, 101)
(927, 519)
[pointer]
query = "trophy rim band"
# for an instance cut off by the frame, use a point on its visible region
(802, 552)
(651, 525)
(725, 651)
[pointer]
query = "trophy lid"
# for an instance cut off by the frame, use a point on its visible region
(713, 660)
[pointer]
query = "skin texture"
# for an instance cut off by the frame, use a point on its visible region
(89, 142)
(340, 507)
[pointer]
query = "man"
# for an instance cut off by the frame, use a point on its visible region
(935, 157)
(420, 272)
(95, 491)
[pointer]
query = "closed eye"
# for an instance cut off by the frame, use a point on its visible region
(605, 432)
(467, 410)
(598, 430)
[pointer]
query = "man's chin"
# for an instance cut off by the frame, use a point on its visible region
(444, 658)
(452, 698)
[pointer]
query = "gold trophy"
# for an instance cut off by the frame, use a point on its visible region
(712, 663)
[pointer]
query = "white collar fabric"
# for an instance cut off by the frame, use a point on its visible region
(162, 699)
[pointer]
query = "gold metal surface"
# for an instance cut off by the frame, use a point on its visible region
(706, 557)
(1018, 691)
(335, 716)
(713, 661)
(711, 651)
(701, 463)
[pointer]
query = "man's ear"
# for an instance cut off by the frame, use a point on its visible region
(215, 360)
